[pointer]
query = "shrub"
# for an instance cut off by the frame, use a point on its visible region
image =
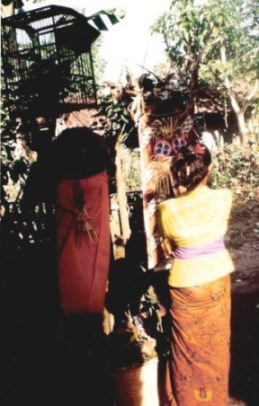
(237, 167)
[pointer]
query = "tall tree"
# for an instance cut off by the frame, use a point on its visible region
(215, 41)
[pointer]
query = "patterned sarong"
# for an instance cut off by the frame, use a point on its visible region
(201, 343)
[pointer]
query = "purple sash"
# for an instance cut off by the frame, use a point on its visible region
(202, 250)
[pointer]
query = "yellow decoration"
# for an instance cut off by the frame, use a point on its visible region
(203, 395)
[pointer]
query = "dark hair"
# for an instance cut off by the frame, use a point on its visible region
(79, 152)
(190, 165)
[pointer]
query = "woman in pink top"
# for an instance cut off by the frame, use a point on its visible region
(193, 227)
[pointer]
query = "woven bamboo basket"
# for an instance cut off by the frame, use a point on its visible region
(137, 385)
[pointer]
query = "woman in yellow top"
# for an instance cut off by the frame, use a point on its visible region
(193, 225)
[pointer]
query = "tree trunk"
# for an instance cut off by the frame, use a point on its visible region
(240, 113)
(242, 127)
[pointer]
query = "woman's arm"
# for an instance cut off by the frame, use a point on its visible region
(167, 243)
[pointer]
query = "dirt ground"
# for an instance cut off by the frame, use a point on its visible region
(243, 240)
(243, 243)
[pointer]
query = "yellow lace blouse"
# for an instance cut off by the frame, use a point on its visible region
(192, 220)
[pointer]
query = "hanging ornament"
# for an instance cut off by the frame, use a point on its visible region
(162, 149)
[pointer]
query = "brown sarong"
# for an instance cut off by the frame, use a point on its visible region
(201, 343)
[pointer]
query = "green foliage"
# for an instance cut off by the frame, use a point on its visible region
(133, 178)
(238, 169)
(231, 26)
(16, 159)
(193, 33)
(116, 114)
(4, 117)
(215, 43)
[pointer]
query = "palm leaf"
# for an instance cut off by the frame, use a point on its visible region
(100, 18)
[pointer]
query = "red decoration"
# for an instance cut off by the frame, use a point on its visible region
(199, 149)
